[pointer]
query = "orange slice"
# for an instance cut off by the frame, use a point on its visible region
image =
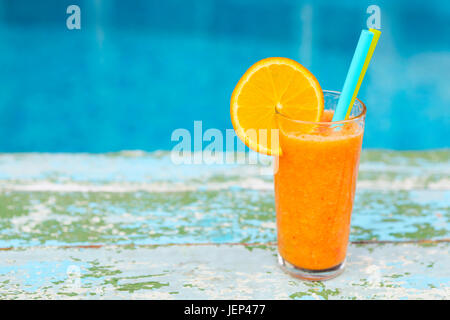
(273, 84)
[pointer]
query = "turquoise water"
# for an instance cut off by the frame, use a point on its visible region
(137, 70)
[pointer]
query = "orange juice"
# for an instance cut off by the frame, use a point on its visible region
(315, 184)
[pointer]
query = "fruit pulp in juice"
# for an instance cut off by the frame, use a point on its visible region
(315, 185)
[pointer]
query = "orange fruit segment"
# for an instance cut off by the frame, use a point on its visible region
(268, 86)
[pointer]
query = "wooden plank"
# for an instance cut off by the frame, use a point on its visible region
(222, 216)
(400, 271)
(143, 198)
(134, 171)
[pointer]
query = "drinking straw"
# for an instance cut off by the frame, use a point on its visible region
(351, 81)
(376, 36)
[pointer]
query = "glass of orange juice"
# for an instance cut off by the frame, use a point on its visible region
(315, 182)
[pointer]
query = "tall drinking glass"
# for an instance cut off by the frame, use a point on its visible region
(315, 182)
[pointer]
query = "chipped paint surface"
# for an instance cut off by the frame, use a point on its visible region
(132, 171)
(162, 231)
(231, 215)
(219, 272)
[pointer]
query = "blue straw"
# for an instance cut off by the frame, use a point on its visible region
(362, 49)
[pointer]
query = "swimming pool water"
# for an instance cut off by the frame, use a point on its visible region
(137, 70)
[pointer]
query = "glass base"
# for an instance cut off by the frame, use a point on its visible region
(311, 275)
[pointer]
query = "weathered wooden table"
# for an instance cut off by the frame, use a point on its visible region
(133, 225)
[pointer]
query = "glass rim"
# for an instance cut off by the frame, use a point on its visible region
(361, 115)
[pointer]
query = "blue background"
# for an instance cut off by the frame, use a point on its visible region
(139, 69)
